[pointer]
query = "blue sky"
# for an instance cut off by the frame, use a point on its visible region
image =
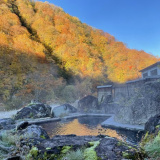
(134, 22)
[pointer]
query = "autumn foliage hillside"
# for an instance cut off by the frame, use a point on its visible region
(45, 51)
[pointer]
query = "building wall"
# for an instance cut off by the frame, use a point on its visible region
(120, 91)
(151, 69)
(103, 92)
(128, 89)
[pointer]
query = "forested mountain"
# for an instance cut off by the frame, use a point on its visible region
(46, 53)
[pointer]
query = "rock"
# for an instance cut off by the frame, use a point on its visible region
(109, 107)
(88, 104)
(37, 110)
(32, 132)
(14, 158)
(22, 125)
(7, 123)
(107, 148)
(68, 140)
(111, 148)
(56, 144)
(63, 110)
(152, 124)
(75, 104)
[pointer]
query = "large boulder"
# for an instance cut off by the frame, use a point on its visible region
(88, 104)
(111, 148)
(63, 110)
(37, 110)
(152, 124)
(32, 132)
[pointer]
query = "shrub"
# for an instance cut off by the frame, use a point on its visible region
(147, 138)
(14, 104)
(33, 153)
(69, 93)
(153, 147)
(10, 137)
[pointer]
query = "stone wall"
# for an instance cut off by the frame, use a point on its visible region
(129, 88)
(134, 102)
(142, 105)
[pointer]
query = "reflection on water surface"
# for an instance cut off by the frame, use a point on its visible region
(86, 126)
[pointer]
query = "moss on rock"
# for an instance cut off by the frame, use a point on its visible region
(90, 153)
(33, 153)
(65, 149)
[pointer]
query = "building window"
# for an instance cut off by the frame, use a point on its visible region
(154, 72)
(145, 75)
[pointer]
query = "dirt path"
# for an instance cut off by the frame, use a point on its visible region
(7, 114)
(10, 114)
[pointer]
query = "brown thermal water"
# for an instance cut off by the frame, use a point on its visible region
(79, 126)
(87, 126)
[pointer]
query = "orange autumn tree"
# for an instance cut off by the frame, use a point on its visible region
(73, 42)
(72, 54)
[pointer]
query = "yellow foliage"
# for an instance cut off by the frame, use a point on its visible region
(3, 39)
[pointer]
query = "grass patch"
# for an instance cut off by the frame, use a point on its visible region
(74, 155)
(65, 149)
(83, 153)
(3, 154)
(9, 137)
